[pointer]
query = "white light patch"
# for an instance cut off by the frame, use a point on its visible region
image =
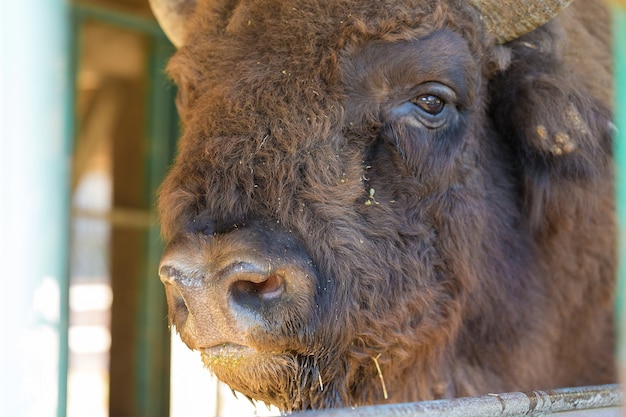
(89, 339)
(47, 300)
(90, 297)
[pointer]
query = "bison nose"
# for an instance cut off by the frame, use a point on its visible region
(220, 302)
(238, 287)
(244, 286)
(199, 305)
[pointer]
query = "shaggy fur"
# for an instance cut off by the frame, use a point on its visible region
(421, 256)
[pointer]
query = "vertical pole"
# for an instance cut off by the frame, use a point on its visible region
(35, 96)
(619, 49)
(154, 342)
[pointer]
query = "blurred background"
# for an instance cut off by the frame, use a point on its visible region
(88, 129)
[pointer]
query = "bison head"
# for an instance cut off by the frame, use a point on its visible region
(389, 200)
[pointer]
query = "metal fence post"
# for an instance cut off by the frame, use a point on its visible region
(150, 384)
(35, 97)
(153, 367)
(619, 48)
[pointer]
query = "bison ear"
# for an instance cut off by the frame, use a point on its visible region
(558, 129)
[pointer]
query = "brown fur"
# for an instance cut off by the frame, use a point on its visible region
(473, 258)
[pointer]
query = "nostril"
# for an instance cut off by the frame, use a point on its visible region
(252, 294)
(178, 310)
(181, 276)
(177, 306)
(169, 274)
(268, 289)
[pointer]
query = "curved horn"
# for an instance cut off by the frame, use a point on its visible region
(510, 19)
(172, 15)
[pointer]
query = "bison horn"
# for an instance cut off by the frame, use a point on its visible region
(510, 19)
(172, 15)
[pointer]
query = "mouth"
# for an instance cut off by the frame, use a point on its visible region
(226, 355)
(265, 376)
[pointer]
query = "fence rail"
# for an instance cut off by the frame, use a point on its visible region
(594, 401)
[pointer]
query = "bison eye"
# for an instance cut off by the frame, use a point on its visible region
(433, 104)
(429, 103)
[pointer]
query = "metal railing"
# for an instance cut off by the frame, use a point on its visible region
(595, 401)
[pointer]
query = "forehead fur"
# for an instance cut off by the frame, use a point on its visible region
(302, 33)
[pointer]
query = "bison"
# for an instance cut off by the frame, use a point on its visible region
(391, 200)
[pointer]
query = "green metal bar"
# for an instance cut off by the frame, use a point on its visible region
(152, 362)
(162, 128)
(35, 132)
(619, 49)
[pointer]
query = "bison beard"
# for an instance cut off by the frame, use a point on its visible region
(386, 201)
